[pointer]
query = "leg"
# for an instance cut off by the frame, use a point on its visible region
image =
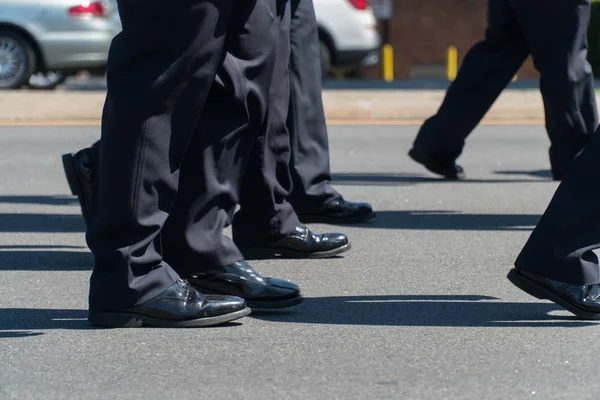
(557, 37)
(265, 214)
(212, 171)
(557, 262)
(159, 71)
(486, 70)
(312, 196)
(309, 164)
(266, 224)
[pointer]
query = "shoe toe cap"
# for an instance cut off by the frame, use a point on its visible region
(281, 288)
(223, 304)
(334, 239)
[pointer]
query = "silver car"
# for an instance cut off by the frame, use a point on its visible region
(59, 37)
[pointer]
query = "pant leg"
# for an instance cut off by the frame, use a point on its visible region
(485, 71)
(560, 247)
(309, 165)
(265, 214)
(160, 69)
(212, 170)
(557, 36)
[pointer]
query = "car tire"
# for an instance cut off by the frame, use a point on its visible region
(326, 59)
(15, 49)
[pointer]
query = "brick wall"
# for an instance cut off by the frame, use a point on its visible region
(422, 30)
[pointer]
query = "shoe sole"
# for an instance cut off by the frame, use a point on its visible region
(323, 219)
(429, 163)
(130, 320)
(76, 186)
(536, 290)
(251, 253)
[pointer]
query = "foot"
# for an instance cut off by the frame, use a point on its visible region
(80, 175)
(180, 306)
(239, 279)
(447, 170)
(340, 212)
(302, 243)
(581, 300)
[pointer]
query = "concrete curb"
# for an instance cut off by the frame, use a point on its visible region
(339, 104)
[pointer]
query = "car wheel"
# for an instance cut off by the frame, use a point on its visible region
(325, 59)
(17, 60)
(46, 80)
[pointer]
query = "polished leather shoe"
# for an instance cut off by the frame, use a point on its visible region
(80, 173)
(239, 279)
(340, 211)
(447, 170)
(581, 300)
(302, 243)
(180, 306)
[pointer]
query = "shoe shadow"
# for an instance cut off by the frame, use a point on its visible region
(422, 310)
(45, 260)
(403, 179)
(26, 322)
(282, 257)
(449, 220)
(537, 173)
(41, 223)
(40, 199)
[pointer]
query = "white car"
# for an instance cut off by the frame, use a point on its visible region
(348, 34)
(58, 36)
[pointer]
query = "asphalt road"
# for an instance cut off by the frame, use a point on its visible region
(419, 309)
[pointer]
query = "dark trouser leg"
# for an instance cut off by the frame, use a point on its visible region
(557, 36)
(193, 235)
(160, 69)
(485, 71)
(212, 171)
(560, 247)
(309, 166)
(265, 215)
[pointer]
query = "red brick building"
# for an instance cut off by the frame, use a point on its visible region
(422, 30)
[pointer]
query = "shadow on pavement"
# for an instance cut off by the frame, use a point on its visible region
(538, 173)
(422, 310)
(19, 322)
(378, 179)
(36, 246)
(386, 219)
(450, 220)
(42, 260)
(411, 310)
(44, 200)
(24, 322)
(39, 223)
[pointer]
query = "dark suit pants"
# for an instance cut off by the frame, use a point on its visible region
(555, 34)
(309, 164)
(161, 70)
(560, 247)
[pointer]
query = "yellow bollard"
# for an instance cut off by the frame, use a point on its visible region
(452, 67)
(388, 62)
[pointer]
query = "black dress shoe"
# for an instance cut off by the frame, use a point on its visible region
(581, 300)
(180, 306)
(80, 173)
(239, 279)
(301, 243)
(448, 171)
(340, 212)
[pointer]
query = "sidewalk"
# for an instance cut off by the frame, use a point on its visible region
(339, 104)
